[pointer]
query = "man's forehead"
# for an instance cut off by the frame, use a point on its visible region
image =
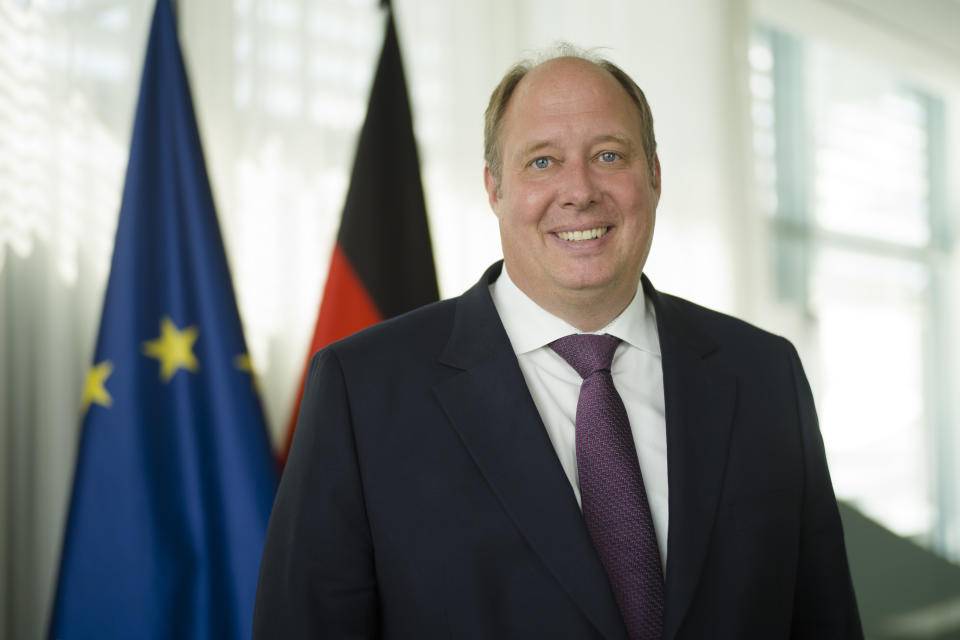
(566, 85)
(568, 89)
(560, 75)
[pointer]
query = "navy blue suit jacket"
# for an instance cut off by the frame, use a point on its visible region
(423, 499)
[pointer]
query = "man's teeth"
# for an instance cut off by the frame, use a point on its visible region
(580, 236)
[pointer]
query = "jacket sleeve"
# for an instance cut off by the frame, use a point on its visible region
(825, 607)
(317, 577)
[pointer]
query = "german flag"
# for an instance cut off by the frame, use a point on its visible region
(382, 264)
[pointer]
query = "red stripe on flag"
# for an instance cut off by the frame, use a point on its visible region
(345, 309)
(383, 264)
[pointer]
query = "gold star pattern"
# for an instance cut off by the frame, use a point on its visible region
(243, 362)
(174, 349)
(95, 391)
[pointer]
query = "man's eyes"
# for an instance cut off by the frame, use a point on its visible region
(544, 162)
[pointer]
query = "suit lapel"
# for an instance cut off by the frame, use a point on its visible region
(699, 401)
(492, 411)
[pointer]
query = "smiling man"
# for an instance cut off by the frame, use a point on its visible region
(574, 189)
(562, 451)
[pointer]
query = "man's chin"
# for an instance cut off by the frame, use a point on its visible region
(587, 279)
(589, 290)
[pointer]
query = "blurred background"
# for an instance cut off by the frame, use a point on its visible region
(811, 185)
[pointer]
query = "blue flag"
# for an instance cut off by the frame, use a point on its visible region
(175, 477)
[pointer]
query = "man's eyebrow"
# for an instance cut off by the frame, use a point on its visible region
(626, 142)
(533, 147)
(538, 145)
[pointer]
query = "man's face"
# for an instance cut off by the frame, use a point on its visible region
(576, 201)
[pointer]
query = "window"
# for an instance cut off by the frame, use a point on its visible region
(850, 175)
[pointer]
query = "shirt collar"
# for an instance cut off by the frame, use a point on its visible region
(529, 326)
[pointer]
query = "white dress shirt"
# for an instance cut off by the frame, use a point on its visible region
(555, 386)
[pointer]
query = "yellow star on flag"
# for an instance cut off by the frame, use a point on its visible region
(94, 391)
(174, 349)
(243, 362)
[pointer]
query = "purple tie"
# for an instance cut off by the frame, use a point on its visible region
(611, 488)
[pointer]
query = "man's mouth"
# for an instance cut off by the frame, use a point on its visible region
(581, 236)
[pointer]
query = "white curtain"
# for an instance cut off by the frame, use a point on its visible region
(66, 96)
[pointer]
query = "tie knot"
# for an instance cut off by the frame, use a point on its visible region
(587, 353)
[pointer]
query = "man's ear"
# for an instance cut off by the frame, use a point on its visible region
(493, 189)
(655, 175)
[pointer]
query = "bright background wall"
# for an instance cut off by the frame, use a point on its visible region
(280, 91)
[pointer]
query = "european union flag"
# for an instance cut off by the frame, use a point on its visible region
(175, 476)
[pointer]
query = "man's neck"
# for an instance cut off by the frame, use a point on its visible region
(588, 314)
(588, 310)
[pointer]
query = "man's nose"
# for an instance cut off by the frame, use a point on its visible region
(579, 189)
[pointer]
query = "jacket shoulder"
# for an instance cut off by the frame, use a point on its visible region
(715, 323)
(422, 331)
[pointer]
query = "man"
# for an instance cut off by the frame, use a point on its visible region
(470, 471)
